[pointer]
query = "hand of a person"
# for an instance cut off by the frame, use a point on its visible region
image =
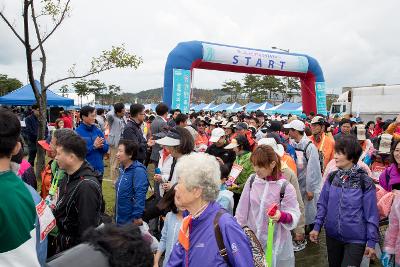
(99, 142)
(233, 186)
(276, 216)
(314, 236)
(310, 195)
(138, 222)
(158, 178)
(370, 253)
(220, 160)
(151, 142)
(166, 186)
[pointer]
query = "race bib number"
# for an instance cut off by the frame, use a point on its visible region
(46, 219)
(234, 174)
(376, 170)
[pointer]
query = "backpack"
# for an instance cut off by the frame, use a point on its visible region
(256, 247)
(321, 156)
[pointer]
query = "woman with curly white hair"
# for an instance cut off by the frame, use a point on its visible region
(209, 236)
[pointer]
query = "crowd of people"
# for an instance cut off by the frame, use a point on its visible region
(228, 189)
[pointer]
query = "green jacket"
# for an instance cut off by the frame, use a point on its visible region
(244, 161)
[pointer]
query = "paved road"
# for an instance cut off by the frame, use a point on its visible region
(315, 255)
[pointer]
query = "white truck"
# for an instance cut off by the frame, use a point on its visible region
(368, 102)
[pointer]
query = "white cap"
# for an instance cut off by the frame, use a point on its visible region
(296, 125)
(171, 139)
(168, 141)
(216, 134)
(279, 150)
(233, 144)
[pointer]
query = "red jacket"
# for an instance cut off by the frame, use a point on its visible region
(67, 121)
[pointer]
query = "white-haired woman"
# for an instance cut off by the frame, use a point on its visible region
(197, 189)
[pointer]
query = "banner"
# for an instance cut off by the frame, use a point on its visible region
(321, 98)
(181, 90)
(254, 58)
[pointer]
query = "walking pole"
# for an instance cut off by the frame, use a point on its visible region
(271, 225)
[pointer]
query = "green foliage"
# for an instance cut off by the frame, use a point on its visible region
(64, 90)
(8, 84)
(117, 57)
(233, 87)
(54, 8)
(81, 87)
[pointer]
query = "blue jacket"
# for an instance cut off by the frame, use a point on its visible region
(131, 188)
(348, 209)
(204, 250)
(94, 156)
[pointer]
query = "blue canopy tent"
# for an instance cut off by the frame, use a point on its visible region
(261, 106)
(286, 108)
(24, 97)
(220, 107)
(199, 107)
(233, 106)
(209, 106)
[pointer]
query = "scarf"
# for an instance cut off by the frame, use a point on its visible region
(350, 172)
(184, 232)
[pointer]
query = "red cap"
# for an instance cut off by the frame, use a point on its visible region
(44, 145)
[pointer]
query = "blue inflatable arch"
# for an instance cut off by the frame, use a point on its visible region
(211, 56)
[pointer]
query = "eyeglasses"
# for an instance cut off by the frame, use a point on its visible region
(201, 125)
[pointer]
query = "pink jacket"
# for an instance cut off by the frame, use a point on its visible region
(252, 212)
(392, 236)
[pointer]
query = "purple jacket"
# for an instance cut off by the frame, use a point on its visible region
(394, 177)
(204, 250)
(349, 212)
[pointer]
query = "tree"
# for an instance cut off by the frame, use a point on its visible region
(233, 87)
(251, 83)
(81, 88)
(64, 90)
(269, 86)
(293, 84)
(8, 84)
(57, 11)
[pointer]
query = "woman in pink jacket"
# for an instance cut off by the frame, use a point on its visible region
(390, 181)
(262, 190)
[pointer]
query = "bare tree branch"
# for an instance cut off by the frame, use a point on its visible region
(72, 78)
(64, 13)
(43, 58)
(11, 27)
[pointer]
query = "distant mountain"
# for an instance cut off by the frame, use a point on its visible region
(155, 96)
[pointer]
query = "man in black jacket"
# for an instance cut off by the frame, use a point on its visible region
(31, 133)
(80, 196)
(224, 156)
(134, 132)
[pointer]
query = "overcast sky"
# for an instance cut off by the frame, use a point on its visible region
(355, 42)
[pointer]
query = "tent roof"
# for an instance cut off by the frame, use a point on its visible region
(220, 107)
(261, 106)
(233, 106)
(24, 97)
